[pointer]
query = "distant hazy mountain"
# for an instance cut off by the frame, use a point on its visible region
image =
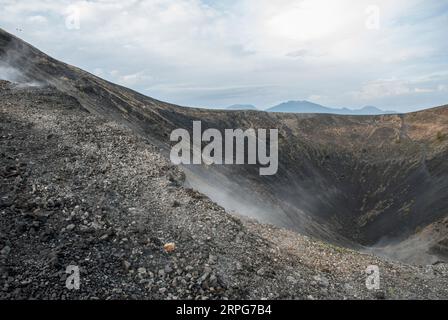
(241, 107)
(310, 107)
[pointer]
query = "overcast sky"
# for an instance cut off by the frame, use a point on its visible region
(389, 53)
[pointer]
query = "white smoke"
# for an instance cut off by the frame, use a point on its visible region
(416, 250)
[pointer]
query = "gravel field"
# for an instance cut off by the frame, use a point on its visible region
(81, 190)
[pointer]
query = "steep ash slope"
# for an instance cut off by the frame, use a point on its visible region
(358, 181)
(79, 189)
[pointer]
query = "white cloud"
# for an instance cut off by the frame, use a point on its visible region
(314, 98)
(442, 87)
(291, 48)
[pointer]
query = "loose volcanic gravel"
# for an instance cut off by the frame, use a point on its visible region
(81, 190)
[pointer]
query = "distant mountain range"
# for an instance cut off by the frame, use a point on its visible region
(310, 107)
(242, 107)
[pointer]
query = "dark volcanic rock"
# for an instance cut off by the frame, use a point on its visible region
(350, 180)
(83, 189)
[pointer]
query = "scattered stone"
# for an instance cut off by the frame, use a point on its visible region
(380, 295)
(168, 269)
(169, 247)
(213, 280)
(104, 237)
(97, 171)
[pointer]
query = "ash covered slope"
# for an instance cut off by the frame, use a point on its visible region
(79, 189)
(155, 120)
(359, 181)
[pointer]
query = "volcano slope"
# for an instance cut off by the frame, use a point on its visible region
(357, 181)
(86, 182)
